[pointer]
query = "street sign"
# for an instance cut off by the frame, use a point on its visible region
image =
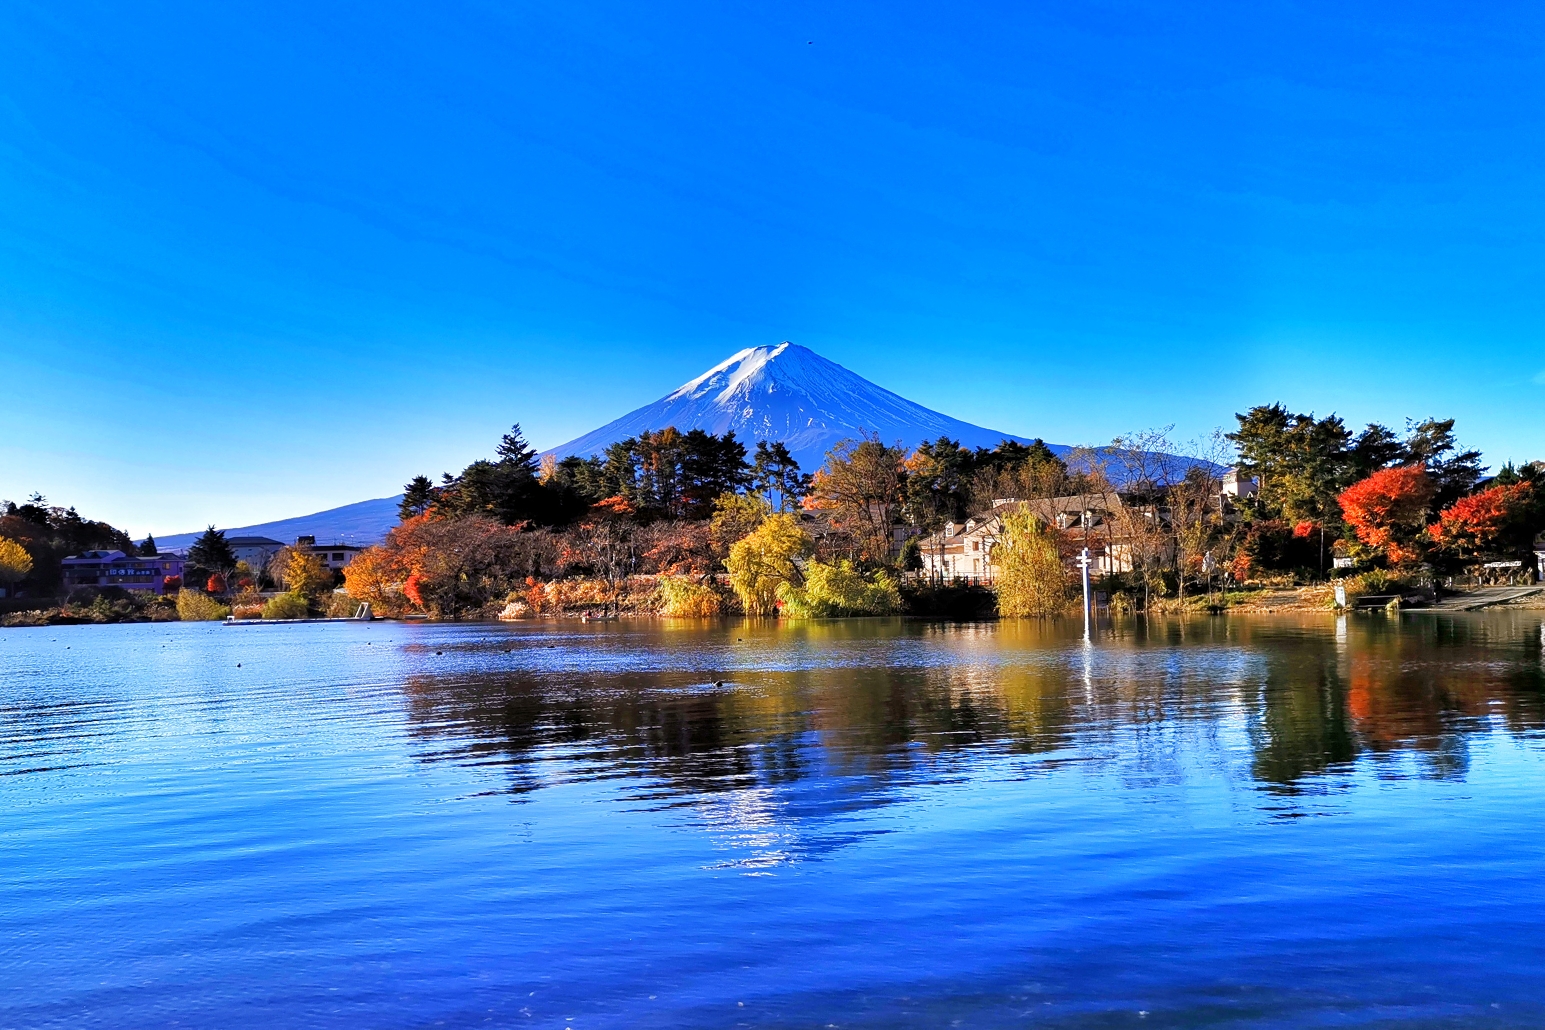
(1342, 563)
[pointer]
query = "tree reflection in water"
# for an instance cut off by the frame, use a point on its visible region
(820, 718)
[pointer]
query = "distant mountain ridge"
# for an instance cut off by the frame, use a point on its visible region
(789, 393)
(363, 523)
(784, 392)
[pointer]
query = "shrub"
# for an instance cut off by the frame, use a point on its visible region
(684, 599)
(292, 605)
(340, 605)
(193, 606)
(837, 589)
(1373, 583)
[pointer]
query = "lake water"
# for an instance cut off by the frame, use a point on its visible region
(1246, 823)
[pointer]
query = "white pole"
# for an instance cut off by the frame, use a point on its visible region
(1083, 562)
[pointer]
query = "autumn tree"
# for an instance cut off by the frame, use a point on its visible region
(676, 547)
(1146, 542)
(1032, 581)
(1388, 511)
(1303, 463)
(836, 589)
(1496, 522)
(303, 572)
(604, 542)
(734, 517)
(765, 559)
(15, 563)
(860, 489)
(447, 567)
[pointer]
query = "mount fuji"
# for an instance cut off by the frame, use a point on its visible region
(792, 394)
(787, 392)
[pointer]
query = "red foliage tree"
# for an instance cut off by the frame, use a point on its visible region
(1481, 523)
(447, 567)
(1388, 510)
(215, 584)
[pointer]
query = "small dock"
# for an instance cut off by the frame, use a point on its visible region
(1487, 597)
(361, 614)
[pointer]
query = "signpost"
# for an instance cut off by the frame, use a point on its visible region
(1083, 564)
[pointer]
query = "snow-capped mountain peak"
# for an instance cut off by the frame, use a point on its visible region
(789, 393)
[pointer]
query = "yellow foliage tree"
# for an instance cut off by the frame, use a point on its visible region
(734, 516)
(15, 562)
(763, 560)
(1031, 579)
(305, 573)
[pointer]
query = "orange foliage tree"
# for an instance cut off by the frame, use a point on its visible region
(604, 543)
(445, 566)
(1388, 511)
(860, 488)
(1482, 523)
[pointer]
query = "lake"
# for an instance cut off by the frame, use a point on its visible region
(1251, 822)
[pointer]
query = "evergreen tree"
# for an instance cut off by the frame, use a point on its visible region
(939, 482)
(507, 489)
(776, 476)
(1454, 472)
(210, 554)
(148, 549)
(418, 496)
(1301, 462)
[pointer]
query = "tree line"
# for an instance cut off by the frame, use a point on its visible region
(720, 527)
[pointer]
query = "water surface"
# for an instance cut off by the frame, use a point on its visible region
(1268, 822)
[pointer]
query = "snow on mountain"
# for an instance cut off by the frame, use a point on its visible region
(787, 393)
(792, 394)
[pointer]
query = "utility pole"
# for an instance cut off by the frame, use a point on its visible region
(1083, 564)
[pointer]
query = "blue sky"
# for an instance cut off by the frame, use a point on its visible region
(260, 260)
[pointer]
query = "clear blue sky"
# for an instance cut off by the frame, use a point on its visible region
(258, 260)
